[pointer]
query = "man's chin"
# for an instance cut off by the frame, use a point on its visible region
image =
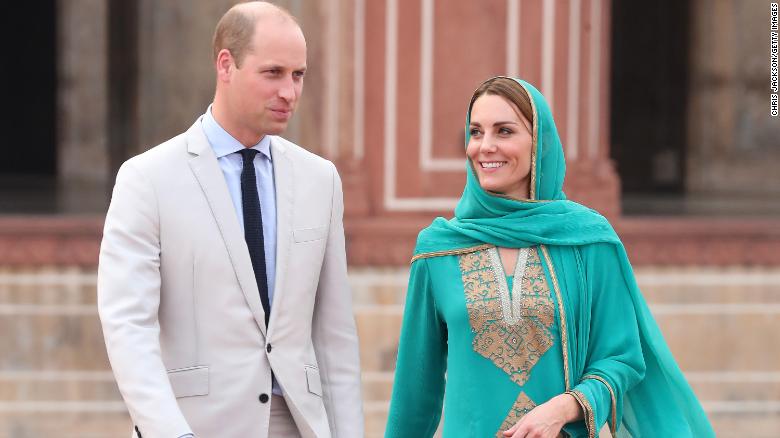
(276, 128)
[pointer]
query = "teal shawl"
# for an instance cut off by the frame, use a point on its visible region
(662, 403)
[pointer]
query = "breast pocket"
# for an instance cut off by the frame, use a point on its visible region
(190, 381)
(313, 381)
(310, 234)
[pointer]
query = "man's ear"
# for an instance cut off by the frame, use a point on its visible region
(225, 65)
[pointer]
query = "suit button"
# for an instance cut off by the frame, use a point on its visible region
(263, 398)
(268, 348)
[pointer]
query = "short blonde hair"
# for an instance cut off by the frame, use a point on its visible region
(236, 28)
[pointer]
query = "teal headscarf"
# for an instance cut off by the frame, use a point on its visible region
(545, 218)
(662, 402)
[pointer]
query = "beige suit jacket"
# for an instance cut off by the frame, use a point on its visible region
(181, 312)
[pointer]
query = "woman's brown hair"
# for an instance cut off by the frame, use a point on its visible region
(510, 90)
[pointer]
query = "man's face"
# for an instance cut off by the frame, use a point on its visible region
(265, 89)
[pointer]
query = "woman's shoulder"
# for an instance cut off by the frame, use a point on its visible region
(433, 255)
(440, 240)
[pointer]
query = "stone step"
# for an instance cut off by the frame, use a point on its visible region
(388, 286)
(73, 286)
(64, 421)
(718, 323)
(698, 335)
(103, 420)
(702, 313)
(734, 423)
(48, 287)
(54, 339)
(742, 425)
(378, 330)
(725, 426)
(371, 286)
(702, 338)
(708, 285)
(53, 386)
(87, 404)
(97, 386)
(709, 386)
(724, 340)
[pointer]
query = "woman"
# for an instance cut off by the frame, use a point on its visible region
(528, 302)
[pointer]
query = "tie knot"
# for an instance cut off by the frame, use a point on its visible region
(248, 154)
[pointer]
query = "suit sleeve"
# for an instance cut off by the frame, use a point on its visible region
(334, 334)
(128, 300)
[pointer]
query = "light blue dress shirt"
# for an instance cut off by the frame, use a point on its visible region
(226, 149)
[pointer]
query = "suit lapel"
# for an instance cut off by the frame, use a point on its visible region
(209, 175)
(283, 183)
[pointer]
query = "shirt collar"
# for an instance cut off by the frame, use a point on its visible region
(225, 144)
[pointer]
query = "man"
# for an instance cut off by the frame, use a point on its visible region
(222, 285)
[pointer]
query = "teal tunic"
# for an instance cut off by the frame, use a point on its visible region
(578, 324)
(492, 381)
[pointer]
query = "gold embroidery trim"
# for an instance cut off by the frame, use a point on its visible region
(516, 347)
(613, 423)
(562, 311)
(522, 406)
(514, 336)
(512, 304)
(460, 251)
(587, 410)
(535, 139)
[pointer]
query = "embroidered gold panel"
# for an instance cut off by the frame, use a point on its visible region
(515, 348)
(522, 406)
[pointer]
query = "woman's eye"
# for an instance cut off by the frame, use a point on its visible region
(473, 132)
(505, 131)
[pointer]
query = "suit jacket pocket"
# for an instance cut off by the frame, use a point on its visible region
(313, 380)
(190, 381)
(309, 234)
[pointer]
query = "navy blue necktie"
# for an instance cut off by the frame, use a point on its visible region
(253, 226)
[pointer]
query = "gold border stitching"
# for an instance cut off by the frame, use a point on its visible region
(534, 152)
(562, 311)
(460, 251)
(590, 422)
(613, 423)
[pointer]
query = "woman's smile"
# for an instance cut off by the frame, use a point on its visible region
(492, 165)
(500, 146)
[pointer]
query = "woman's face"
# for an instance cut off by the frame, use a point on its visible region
(500, 146)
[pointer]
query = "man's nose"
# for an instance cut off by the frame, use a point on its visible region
(287, 90)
